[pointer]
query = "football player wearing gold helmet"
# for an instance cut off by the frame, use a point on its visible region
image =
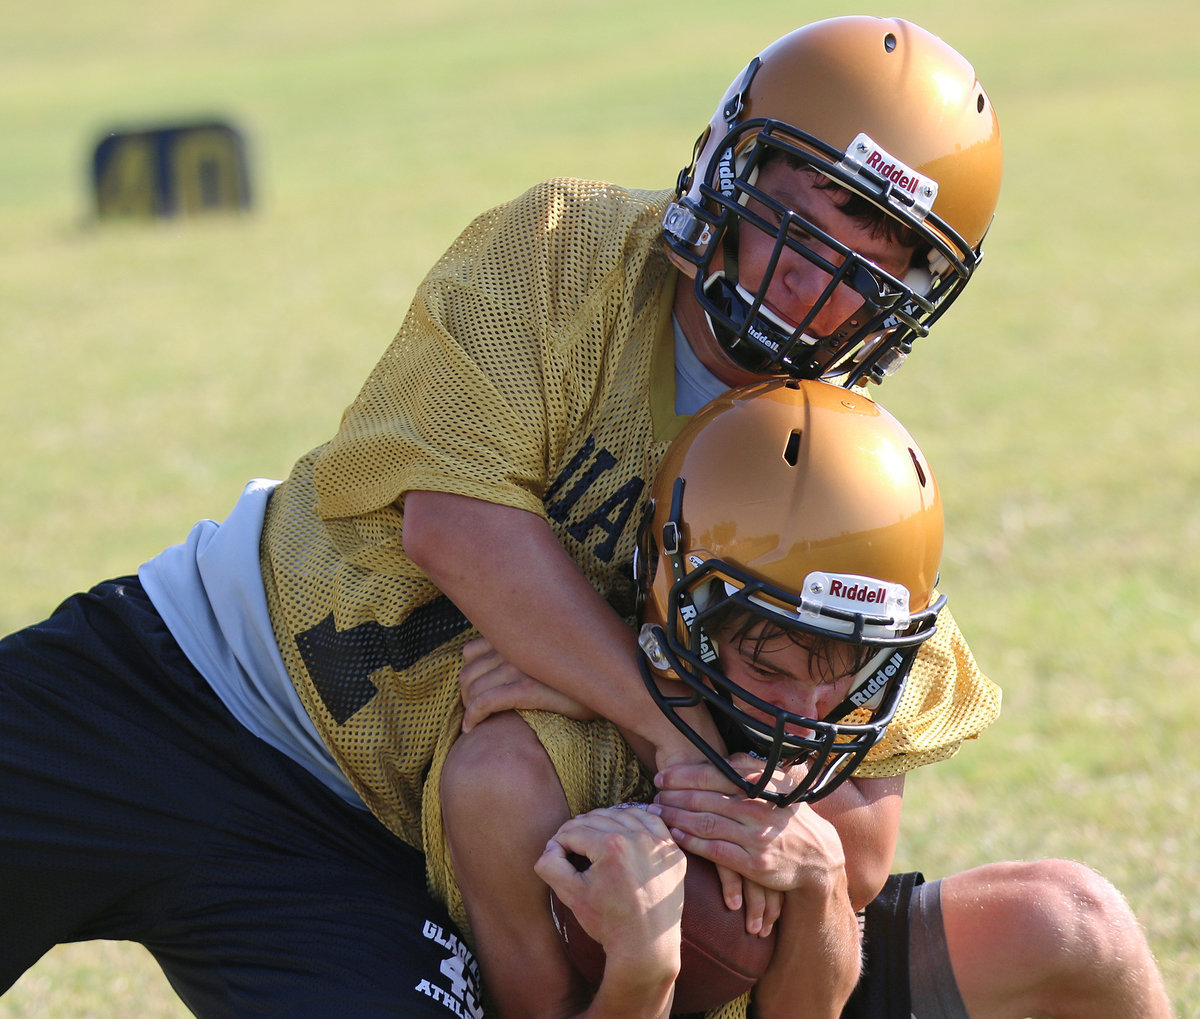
(838, 200)
(788, 570)
(795, 524)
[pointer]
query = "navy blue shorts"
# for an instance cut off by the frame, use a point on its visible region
(133, 806)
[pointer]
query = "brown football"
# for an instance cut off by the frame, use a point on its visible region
(719, 961)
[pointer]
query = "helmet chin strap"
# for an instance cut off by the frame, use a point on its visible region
(735, 303)
(886, 671)
(698, 640)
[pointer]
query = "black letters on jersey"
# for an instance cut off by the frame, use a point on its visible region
(341, 662)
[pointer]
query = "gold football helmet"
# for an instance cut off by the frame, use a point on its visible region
(886, 111)
(808, 509)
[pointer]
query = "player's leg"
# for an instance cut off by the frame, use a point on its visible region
(83, 775)
(300, 905)
(1048, 938)
(501, 803)
(136, 808)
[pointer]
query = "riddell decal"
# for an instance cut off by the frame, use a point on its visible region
(725, 174)
(897, 173)
(867, 157)
(708, 653)
(858, 592)
(879, 602)
(878, 681)
(762, 338)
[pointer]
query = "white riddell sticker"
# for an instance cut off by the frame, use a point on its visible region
(916, 190)
(857, 594)
(881, 605)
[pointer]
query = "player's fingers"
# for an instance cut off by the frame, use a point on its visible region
(628, 817)
(720, 851)
(482, 670)
(476, 648)
(555, 868)
(731, 887)
(635, 817)
(756, 906)
(481, 700)
(694, 776)
(699, 800)
(714, 815)
(772, 910)
(700, 820)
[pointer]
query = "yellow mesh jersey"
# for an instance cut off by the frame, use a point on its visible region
(946, 700)
(534, 370)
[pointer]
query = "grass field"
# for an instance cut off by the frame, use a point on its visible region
(151, 368)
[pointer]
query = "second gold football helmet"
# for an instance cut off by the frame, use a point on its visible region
(806, 508)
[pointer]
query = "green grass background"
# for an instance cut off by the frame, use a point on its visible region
(149, 369)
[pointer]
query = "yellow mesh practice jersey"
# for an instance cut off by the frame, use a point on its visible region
(534, 370)
(946, 700)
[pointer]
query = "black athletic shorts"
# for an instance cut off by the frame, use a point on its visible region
(133, 806)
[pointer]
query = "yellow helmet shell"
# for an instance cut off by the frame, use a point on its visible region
(786, 479)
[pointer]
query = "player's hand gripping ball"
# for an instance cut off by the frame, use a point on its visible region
(719, 961)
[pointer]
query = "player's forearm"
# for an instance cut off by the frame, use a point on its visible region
(621, 997)
(817, 957)
(866, 814)
(508, 573)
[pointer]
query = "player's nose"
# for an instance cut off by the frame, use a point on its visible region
(805, 288)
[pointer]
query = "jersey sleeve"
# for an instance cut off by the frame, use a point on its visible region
(459, 401)
(947, 700)
(497, 362)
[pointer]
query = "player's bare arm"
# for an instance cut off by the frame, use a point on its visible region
(544, 618)
(817, 960)
(526, 971)
(866, 813)
(497, 829)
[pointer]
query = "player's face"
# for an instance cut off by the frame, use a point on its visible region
(797, 284)
(787, 675)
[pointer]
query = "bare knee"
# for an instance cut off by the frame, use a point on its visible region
(498, 770)
(1051, 935)
(1078, 917)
